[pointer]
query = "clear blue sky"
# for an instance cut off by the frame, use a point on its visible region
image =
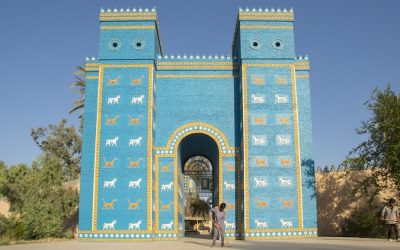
(353, 47)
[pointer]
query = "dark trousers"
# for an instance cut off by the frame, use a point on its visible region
(389, 230)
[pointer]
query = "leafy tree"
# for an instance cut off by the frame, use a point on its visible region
(42, 213)
(381, 151)
(62, 142)
(18, 182)
(3, 177)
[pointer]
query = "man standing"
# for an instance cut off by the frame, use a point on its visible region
(217, 215)
(390, 214)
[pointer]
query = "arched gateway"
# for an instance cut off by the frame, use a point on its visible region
(152, 121)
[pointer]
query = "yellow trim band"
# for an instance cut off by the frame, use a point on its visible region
(132, 27)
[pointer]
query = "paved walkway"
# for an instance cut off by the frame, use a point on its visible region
(196, 243)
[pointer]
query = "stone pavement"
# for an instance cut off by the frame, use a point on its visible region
(198, 243)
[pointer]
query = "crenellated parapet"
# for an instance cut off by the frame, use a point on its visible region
(197, 62)
(302, 63)
(266, 14)
(128, 14)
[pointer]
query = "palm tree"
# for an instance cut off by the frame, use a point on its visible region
(80, 84)
(199, 207)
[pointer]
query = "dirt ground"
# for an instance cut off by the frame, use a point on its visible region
(201, 243)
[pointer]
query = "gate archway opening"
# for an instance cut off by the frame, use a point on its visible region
(199, 161)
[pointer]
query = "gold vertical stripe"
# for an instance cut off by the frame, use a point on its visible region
(245, 147)
(156, 195)
(297, 149)
(149, 147)
(97, 148)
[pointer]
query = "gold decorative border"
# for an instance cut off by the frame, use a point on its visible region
(125, 16)
(127, 27)
(91, 69)
(92, 77)
(302, 76)
(277, 27)
(97, 144)
(226, 63)
(281, 237)
(198, 67)
(302, 65)
(246, 145)
(273, 16)
(195, 76)
(115, 240)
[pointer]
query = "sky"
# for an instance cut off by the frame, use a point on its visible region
(353, 46)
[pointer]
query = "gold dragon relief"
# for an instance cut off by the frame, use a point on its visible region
(134, 120)
(261, 203)
(112, 121)
(283, 119)
(286, 203)
(113, 81)
(281, 80)
(136, 81)
(257, 79)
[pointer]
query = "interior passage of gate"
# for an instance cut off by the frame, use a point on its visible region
(248, 114)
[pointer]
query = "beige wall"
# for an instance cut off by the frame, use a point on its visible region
(336, 200)
(4, 207)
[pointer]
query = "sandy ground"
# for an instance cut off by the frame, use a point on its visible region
(198, 243)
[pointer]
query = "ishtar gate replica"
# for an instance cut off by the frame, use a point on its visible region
(161, 131)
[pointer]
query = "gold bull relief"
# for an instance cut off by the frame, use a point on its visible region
(134, 205)
(261, 204)
(109, 205)
(261, 163)
(134, 164)
(284, 162)
(109, 164)
(230, 167)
